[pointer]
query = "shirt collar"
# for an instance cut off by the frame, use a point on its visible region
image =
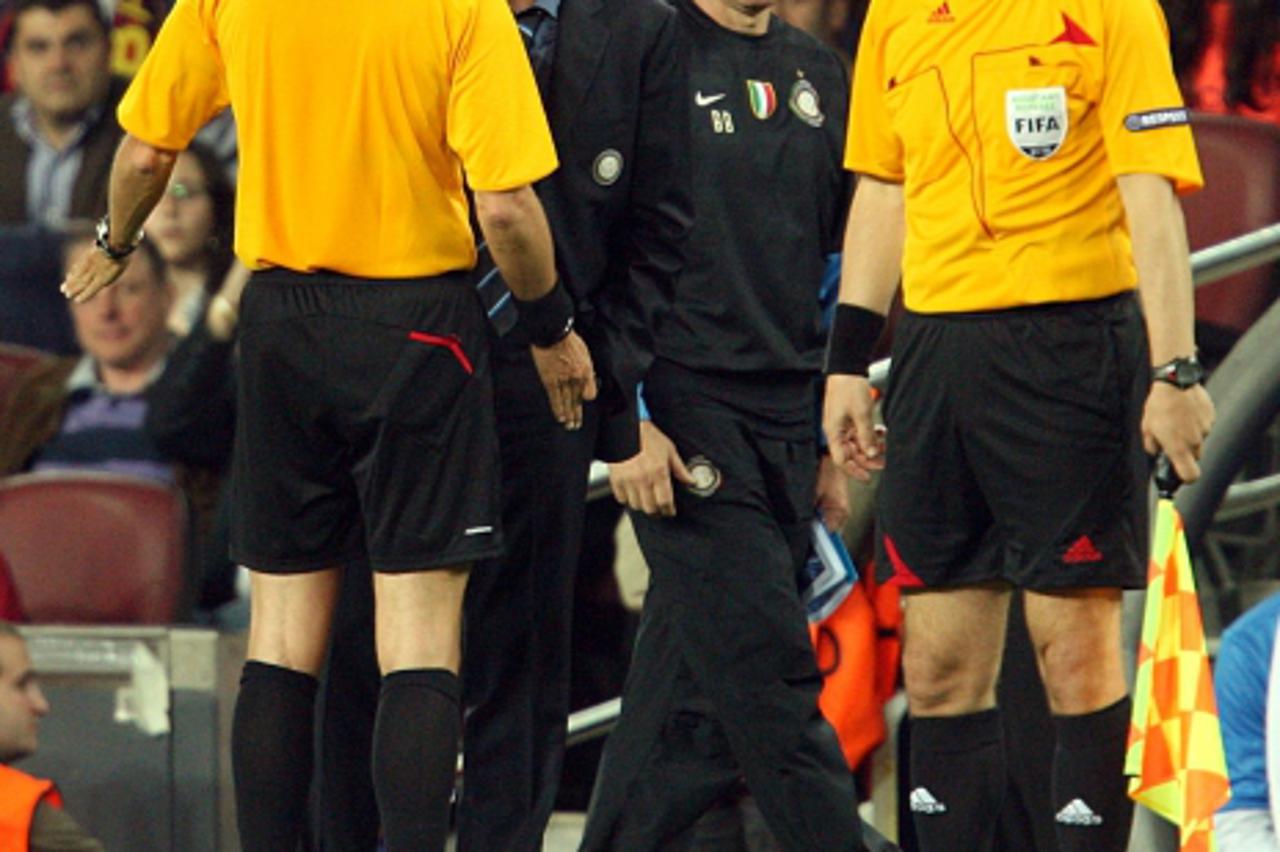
(84, 377)
(24, 121)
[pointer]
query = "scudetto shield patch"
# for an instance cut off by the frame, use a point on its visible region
(1036, 120)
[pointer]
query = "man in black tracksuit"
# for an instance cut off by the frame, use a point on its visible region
(723, 682)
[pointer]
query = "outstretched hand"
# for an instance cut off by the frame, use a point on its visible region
(91, 273)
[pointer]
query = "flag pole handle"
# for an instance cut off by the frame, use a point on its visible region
(1167, 480)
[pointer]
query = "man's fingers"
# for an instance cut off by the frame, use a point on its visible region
(591, 388)
(833, 437)
(1187, 467)
(678, 468)
(615, 485)
(867, 438)
(664, 495)
(648, 500)
(570, 405)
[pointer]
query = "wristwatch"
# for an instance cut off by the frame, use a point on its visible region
(103, 241)
(1182, 373)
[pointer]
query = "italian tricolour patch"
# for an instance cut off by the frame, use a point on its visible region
(763, 99)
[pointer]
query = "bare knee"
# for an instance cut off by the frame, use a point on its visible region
(1080, 676)
(1076, 634)
(954, 641)
(289, 618)
(945, 685)
(418, 621)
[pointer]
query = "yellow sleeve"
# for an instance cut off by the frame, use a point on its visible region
(871, 146)
(182, 83)
(495, 122)
(1144, 121)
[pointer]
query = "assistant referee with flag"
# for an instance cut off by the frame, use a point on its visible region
(365, 425)
(1019, 166)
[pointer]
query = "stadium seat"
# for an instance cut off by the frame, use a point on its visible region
(94, 548)
(1241, 163)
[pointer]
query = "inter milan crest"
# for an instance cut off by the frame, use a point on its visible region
(706, 476)
(764, 100)
(805, 104)
(608, 167)
(1036, 120)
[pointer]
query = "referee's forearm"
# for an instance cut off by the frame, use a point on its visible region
(1161, 256)
(515, 227)
(139, 176)
(873, 242)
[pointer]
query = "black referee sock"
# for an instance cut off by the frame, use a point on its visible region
(271, 755)
(958, 780)
(1092, 811)
(415, 754)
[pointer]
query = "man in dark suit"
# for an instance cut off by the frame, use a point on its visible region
(612, 79)
(613, 86)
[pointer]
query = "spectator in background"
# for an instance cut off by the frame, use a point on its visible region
(1227, 55)
(31, 814)
(1246, 680)
(1253, 63)
(191, 413)
(58, 131)
(87, 412)
(191, 228)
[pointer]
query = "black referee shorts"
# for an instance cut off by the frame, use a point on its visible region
(365, 425)
(1014, 448)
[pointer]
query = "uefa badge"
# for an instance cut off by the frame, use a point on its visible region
(1036, 120)
(805, 104)
(763, 99)
(608, 167)
(706, 476)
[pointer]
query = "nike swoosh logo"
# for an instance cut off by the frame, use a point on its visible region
(706, 100)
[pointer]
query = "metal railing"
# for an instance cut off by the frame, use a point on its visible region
(1207, 266)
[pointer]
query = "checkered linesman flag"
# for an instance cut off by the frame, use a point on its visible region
(1175, 756)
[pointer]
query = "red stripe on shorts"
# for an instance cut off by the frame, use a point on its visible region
(452, 343)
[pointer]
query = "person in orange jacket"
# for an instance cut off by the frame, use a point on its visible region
(31, 814)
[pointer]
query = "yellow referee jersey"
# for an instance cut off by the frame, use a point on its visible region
(356, 121)
(1007, 121)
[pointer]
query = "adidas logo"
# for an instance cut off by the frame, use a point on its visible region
(1075, 813)
(923, 802)
(1082, 550)
(942, 15)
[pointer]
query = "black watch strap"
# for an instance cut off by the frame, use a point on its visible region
(102, 240)
(1182, 373)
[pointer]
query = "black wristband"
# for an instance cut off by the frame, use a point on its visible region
(548, 319)
(853, 335)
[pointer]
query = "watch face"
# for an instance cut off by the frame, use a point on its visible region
(1181, 372)
(1189, 373)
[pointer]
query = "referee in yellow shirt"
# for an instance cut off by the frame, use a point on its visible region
(365, 413)
(1019, 166)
